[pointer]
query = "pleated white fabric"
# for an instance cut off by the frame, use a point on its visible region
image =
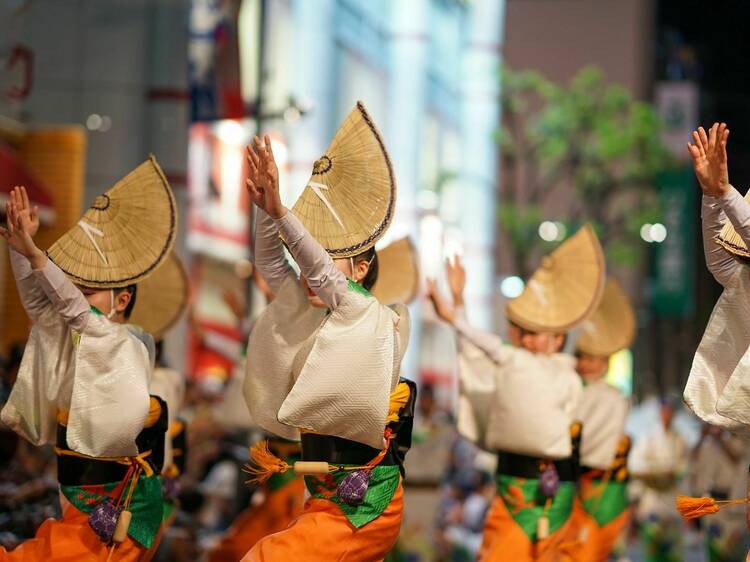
(100, 376)
(603, 411)
(327, 373)
(718, 388)
(525, 404)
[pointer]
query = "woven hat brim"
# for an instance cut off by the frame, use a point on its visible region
(355, 205)
(125, 235)
(162, 298)
(612, 327)
(566, 289)
(731, 241)
(398, 273)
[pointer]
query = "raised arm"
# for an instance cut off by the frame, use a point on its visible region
(720, 200)
(38, 270)
(737, 210)
(269, 252)
(22, 226)
(322, 276)
(488, 343)
(719, 262)
(67, 300)
(32, 297)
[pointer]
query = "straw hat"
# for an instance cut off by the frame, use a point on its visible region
(349, 201)
(125, 235)
(731, 241)
(161, 298)
(612, 327)
(566, 289)
(398, 275)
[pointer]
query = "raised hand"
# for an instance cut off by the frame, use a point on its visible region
(22, 224)
(442, 308)
(456, 275)
(709, 154)
(263, 178)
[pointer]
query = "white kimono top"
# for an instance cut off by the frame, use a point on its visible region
(513, 400)
(326, 371)
(718, 388)
(79, 361)
(603, 410)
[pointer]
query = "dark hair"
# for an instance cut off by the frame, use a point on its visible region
(133, 292)
(372, 273)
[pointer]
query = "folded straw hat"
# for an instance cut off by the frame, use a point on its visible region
(612, 327)
(161, 298)
(398, 274)
(731, 241)
(125, 235)
(349, 201)
(565, 289)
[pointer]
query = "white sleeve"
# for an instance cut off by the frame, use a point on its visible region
(719, 262)
(316, 265)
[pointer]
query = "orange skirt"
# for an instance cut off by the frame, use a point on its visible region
(505, 541)
(70, 539)
(273, 515)
(322, 533)
(596, 543)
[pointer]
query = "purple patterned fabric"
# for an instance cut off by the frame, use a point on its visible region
(549, 481)
(352, 489)
(103, 520)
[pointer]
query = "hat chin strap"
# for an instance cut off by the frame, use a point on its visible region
(112, 309)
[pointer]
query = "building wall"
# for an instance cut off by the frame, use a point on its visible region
(558, 37)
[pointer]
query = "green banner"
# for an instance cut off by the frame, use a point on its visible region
(673, 278)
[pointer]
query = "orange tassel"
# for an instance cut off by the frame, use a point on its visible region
(692, 508)
(264, 464)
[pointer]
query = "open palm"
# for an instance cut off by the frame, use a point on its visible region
(263, 178)
(709, 154)
(22, 222)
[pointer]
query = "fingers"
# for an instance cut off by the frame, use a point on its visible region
(253, 189)
(252, 157)
(723, 153)
(4, 233)
(431, 286)
(35, 213)
(699, 143)
(694, 152)
(712, 138)
(11, 216)
(269, 148)
(25, 198)
(719, 137)
(703, 137)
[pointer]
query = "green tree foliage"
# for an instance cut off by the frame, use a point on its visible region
(583, 151)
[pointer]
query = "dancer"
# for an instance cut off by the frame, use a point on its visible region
(718, 384)
(601, 510)
(657, 465)
(719, 463)
(324, 358)
(532, 388)
(83, 382)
